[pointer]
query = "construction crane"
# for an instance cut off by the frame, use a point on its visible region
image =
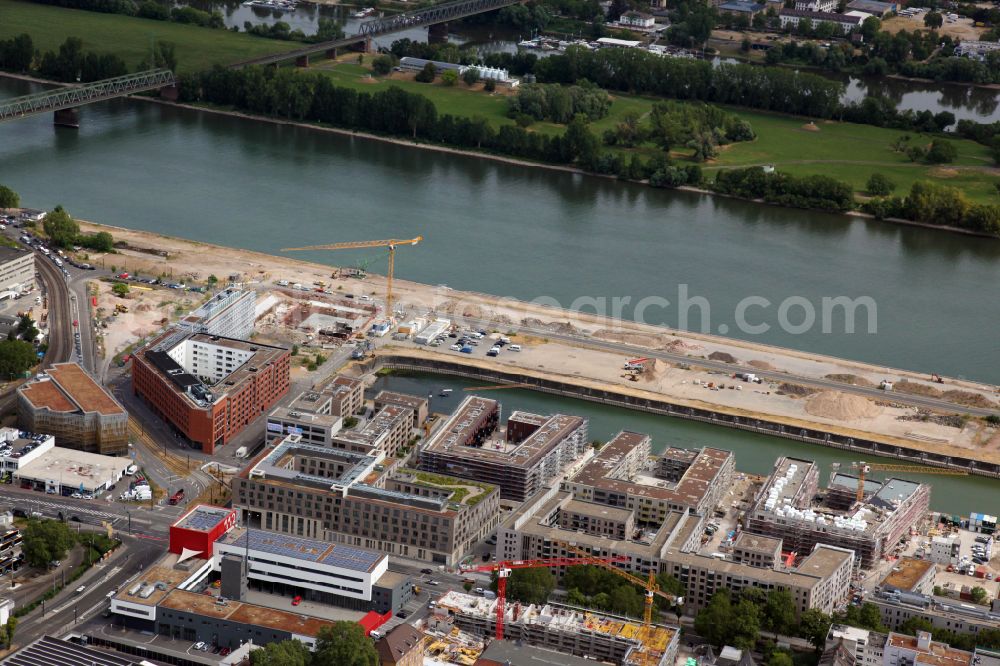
(650, 585)
(864, 468)
(497, 387)
(392, 244)
(505, 568)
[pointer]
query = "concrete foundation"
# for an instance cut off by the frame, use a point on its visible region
(302, 61)
(67, 118)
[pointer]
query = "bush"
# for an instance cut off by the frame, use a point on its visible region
(427, 74)
(941, 152)
(9, 198)
(449, 77)
(382, 65)
(879, 185)
(470, 76)
(490, 85)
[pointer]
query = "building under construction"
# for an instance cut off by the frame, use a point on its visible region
(521, 459)
(604, 638)
(791, 507)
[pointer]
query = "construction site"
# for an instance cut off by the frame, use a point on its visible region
(563, 628)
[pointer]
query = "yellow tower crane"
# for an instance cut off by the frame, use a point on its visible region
(650, 585)
(355, 245)
(864, 468)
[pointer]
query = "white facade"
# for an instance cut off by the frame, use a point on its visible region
(16, 441)
(845, 23)
(17, 270)
(230, 313)
(305, 572)
(636, 20)
(816, 5)
(867, 646)
(944, 550)
(207, 360)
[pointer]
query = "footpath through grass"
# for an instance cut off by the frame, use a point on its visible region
(845, 151)
(129, 37)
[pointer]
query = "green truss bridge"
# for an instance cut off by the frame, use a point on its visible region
(64, 102)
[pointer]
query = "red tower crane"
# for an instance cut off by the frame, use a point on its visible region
(503, 570)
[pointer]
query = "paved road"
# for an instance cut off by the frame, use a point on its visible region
(633, 351)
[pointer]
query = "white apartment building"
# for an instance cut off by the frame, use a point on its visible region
(230, 313)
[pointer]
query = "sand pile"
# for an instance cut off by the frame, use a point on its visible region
(722, 356)
(760, 365)
(841, 406)
(654, 370)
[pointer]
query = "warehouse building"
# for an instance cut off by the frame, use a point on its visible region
(598, 636)
(230, 313)
(785, 508)
(70, 405)
(531, 452)
(35, 462)
(621, 475)
(209, 388)
(344, 497)
(17, 270)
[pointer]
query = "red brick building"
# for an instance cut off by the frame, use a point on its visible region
(208, 387)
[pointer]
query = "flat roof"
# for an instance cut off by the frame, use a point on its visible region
(601, 510)
(414, 402)
(74, 468)
(937, 654)
(694, 484)
(520, 654)
(203, 518)
(51, 651)
(237, 611)
(10, 253)
(757, 543)
(163, 576)
(824, 560)
(907, 572)
(69, 389)
(309, 550)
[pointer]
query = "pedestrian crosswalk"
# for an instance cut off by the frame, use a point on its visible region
(40, 505)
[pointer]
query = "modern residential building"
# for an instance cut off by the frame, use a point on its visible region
(420, 406)
(402, 646)
(34, 461)
(309, 415)
(230, 314)
(554, 525)
(601, 637)
(70, 405)
(867, 647)
(757, 551)
(792, 17)
(209, 388)
(354, 499)
(532, 451)
(620, 474)
(785, 509)
(910, 575)
(381, 437)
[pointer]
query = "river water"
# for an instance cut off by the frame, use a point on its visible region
(509, 230)
(754, 453)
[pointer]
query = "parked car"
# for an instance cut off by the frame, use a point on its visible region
(427, 571)
(296, 600)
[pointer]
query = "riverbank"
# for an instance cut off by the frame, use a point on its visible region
(448, 150)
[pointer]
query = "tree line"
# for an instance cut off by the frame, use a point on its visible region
(343, 643)
(816, 192)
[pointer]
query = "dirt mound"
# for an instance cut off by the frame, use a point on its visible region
(794, 390)
(761, 365)
(810, 127)
(914, 388)
(967, 398)
(841, 406)
(722, 356)
(681, 346)
(850, 379)
(564, 327)
(654, 370)
(944, 172)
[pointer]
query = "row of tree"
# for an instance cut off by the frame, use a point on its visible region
(933, 203)
(17, 54)
(816, 192)
(560, 103)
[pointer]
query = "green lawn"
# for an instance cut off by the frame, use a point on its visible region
(845, 151)
(129, 37)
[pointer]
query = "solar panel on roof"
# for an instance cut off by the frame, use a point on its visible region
(203, 520)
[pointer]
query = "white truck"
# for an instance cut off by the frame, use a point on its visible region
(241, 452)
(137, 494)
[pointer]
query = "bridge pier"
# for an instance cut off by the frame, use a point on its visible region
(302, 61)
(170, 93)
(331, 54)
(437, 33)
(67, 118)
